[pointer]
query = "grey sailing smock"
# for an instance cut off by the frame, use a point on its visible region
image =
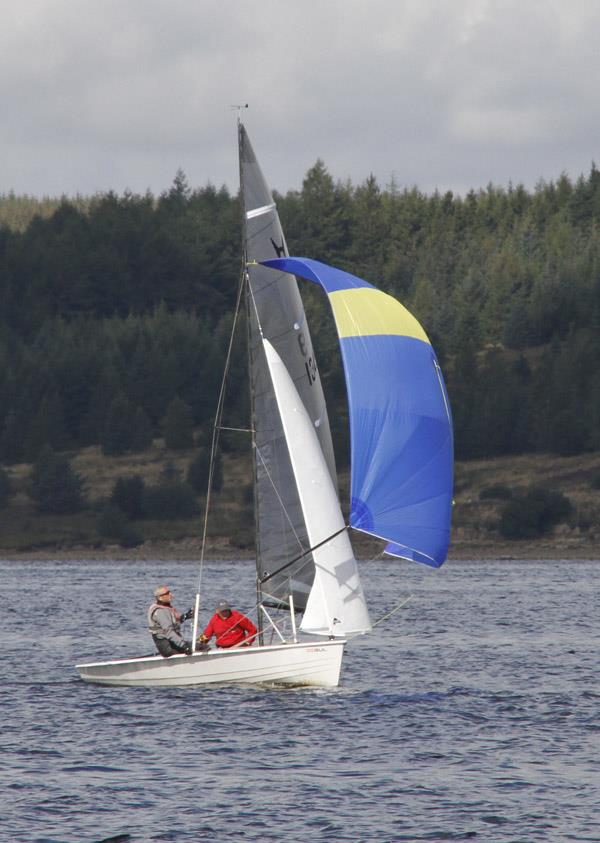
(163, 623)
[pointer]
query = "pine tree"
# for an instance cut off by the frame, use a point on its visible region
(120, 434)
(198, 471)
(141, 438)
(5, 487)
(114, 525)
(11, 438)
(128, 496)
(178, 425)
(47, 428)
(54, 486)
(325, 215)
(170, 497)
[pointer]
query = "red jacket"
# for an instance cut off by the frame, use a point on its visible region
(230, 631)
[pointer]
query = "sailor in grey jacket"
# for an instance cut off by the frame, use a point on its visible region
(164, 624)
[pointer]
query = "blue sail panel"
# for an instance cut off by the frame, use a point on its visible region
(400, 423)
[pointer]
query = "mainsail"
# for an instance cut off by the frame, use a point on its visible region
(400, 423)
(276, 313)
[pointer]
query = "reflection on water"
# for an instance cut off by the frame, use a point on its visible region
(471, 714)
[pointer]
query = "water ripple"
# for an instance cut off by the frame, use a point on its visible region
(480, 726)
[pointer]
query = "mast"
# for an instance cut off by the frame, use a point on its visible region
(276, 313)
(259, 591)
(259, 594)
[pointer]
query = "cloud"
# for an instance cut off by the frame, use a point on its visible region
(507, 126)
(104, 94)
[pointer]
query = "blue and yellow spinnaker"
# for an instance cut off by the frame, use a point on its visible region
(400, 420)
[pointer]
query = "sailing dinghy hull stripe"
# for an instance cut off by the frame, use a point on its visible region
(400, 424)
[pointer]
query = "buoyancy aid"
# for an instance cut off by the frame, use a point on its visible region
(153, 627)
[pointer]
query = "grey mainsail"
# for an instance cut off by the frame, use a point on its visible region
(276, 309)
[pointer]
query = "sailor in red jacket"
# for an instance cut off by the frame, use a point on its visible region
(230, 627)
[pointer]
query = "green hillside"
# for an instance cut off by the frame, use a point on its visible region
(116, 312)
(24, 531)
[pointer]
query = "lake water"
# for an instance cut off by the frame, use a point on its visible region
(472, 714)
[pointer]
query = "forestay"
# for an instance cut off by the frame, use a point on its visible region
(276, 312)
(400, 422)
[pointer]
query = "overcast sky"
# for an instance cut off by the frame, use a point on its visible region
(453, 94)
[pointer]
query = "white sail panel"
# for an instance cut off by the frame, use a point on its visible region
(336, 604)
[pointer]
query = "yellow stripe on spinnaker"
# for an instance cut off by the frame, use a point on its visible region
(365, 311)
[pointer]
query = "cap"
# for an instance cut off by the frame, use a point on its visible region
(161, 590)
(223, 606)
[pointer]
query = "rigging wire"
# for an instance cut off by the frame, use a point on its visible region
(213, 450)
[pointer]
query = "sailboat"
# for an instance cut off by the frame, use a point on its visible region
(401, 463)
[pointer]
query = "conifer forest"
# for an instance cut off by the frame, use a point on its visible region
(115, 307)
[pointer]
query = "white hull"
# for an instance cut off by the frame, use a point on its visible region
(313, 663)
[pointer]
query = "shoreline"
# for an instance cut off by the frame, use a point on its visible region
(186, 551)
